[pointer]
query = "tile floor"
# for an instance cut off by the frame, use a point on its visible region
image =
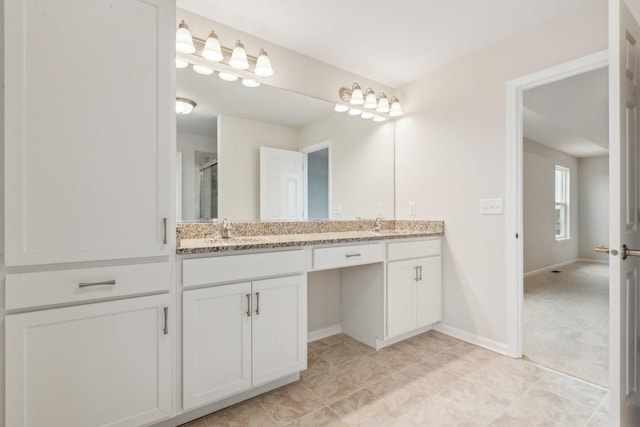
(428, 380)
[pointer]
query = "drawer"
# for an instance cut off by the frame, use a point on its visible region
(26, 290)
(233, 268)
(415, 249)
(345, 256)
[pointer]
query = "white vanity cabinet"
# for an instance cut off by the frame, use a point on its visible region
(89, 130)
(96, 364)
(237, 336)
(414, 287)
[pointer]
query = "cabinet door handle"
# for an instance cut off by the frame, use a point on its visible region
(248, 305)
(165, 330)
(164, 232)
(257, 303)
(352, 255)
(420, 271)
(104, 282)
(415, 277)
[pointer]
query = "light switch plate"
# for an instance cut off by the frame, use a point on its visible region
(337, 209)
(491, 207)
(412, 208)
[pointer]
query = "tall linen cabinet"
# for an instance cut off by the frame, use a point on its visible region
(89, 224)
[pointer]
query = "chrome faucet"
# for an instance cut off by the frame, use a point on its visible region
(377, 225)
(226, 229)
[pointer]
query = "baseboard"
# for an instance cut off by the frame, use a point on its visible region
(594, 261)
(318, 334)
(474, 339)
(550, 267)
(386, 343)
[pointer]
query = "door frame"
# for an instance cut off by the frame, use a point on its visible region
(514, 191)
(310, 149)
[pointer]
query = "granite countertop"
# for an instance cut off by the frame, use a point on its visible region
(210, 245)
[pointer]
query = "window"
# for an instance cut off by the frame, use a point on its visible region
(562, 203)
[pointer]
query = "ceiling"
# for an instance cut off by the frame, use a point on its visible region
(392, 42)
(570, 115)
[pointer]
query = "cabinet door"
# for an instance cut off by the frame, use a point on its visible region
(89, 365)
(401, 297)
(429, 292)
(216, 339)
(279, 328)
(88, 129)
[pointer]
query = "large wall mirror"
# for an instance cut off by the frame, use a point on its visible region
(265, 153)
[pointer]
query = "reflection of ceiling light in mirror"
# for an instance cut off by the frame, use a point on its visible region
(383, 104)
(181, 64)
(250, 83)
(354, 112)
(367, 115)
(378, 118)
(370, 101)
(184, 40)
(341, 108)
(227, 77)
(239, 57)
(201, 69)
(184, 105)
(263, 65)
(357, 98)
(212, 50)
(396, 109)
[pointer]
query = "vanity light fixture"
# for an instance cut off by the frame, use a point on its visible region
(369, 101)
(227, 77)
(239, 57)
(184, 105)
(354, 111)
(250, 83)
(201, 69)
(184, 40)
(212, 50)
(263, 65)
(181, 64)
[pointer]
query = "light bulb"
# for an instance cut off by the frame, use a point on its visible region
(184, 105)
(377, 118)
(341, 108)
(370, 101)
(357, 98)
(366, 115)
(212, 50)
(181, 64)
(383, 104)
(184, 40)
(355, 112)
(239, 57)
(250, 83)
(227, 77)
(201, 69)
(396, 109)
(263, 65)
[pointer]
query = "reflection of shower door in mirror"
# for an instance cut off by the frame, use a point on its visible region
(209, 190)
(281, 185)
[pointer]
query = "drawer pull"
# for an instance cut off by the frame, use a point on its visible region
(420, 273)
(352, 255)
(104, 282)
(257, 303)
(248, 305)
(166, 321)
(416, 275)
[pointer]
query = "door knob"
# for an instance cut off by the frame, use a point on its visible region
(605, 250)
(629, 252)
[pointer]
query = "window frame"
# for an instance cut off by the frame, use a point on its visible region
(562, 207)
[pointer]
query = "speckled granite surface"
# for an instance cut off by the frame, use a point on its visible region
(195, 238)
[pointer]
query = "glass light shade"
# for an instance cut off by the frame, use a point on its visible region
(383, 104)
(355, 112)
(263, 65)
(378, 119)
(212, 50)
(366, 115)
(227, 77)
(239, 57)
(184, 41)
(357, 97)
(181, 64)
(184, 105)
(250, 83)
(201, 69)
(396, 109)
(370, 101)
(341, 108)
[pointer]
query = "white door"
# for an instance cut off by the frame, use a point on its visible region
(89, 365)
(279, 328)
(216, 343)
(281, 184)
(88, 136)
(428, 292)
(623, 158)
(402, 277)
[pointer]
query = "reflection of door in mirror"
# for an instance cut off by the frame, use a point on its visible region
(281, 185)
(197, 186)
(318, 176)
(209, 190)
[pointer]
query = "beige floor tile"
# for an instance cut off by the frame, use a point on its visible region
(323, 417)
(450, 363)
(600, 418)
(339, 353)
(565, 411)
(472, 354)
(315, 346)
(315, 366)
(363, 408)
(429, 380)
(573, 389)
(290, 402)
(440, 411)
(394, 359)
(421, 346)
(400, 393)
(247, 414)
(334, 385)
(482, 400)
(516, 417)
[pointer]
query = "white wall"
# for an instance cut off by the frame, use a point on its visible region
(451, 152)
(593, 200)
(239, 142)
(188, 144)
(540, 246)
(361, 159)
